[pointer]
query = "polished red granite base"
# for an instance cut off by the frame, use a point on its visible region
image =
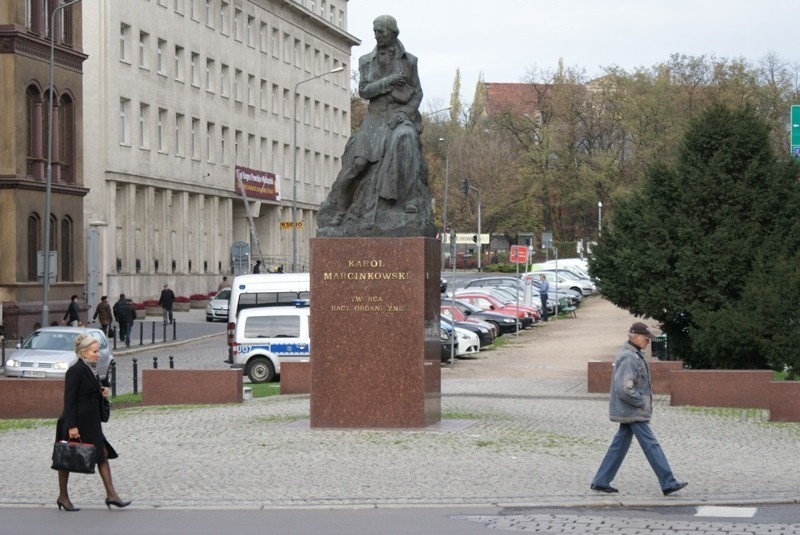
(375, 333)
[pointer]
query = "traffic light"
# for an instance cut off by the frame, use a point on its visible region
(527, 241)
(465, 186)
(475, 238)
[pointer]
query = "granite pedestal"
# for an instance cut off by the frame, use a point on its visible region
(375, 331)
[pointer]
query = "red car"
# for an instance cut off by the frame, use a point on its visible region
(485, 301)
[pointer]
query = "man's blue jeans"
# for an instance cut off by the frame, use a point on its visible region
(619, 448)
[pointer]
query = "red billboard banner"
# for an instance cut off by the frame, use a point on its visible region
(257, 184)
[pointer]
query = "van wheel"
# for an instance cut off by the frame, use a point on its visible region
(260, 370)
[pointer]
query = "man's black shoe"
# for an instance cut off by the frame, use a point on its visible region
(675, 488)
(605, 488)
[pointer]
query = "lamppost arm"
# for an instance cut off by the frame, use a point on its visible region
(294, 162)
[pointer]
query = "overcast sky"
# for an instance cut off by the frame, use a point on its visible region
(504, 39)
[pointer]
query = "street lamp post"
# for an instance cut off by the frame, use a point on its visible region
(49, 175)
(446, 175)
(294, 164)
(599, 218)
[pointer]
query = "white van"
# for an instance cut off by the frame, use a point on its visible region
(265, 290)
(265, 337)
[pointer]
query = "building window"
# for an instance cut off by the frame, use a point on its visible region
(124, 32)
(237, 142)
(179, 63)
(223, 80)
(287, 49)
(262, 95)
(298, 53)
(210, 144)
(143, 111)
(179, 134)
(251, 25)
(193, 9)
(223, 21)
(195, 76)
(237, 22)
(143, 37)
(223, 154)
(210, 13)
(210, 75)
(194, 140)
(160, 50)
(35, 132)
(160, 124)
(66, 252)
(34, 245)
(275, 43)
(237, 85)
(124, 110)
(275, 92)
(285, 103)
(262, 36)
(179, 6)
(251, 82)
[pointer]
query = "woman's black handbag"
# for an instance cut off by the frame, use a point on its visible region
(73, 457)
(105, 409)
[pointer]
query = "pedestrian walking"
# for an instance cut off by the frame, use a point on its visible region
(103, 314)
(257, 267)
(224, 284)
(81, 420)
(631, 404)
(125, 314)
(72, 316)
(544, 288)
(165, 301)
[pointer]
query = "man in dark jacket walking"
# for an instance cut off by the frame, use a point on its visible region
(124, 313)
(72, 316)
(165, 301)
(631, 404)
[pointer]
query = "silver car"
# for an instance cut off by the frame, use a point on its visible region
(49, 351)
(217, 307)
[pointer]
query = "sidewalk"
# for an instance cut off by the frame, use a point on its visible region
(520, 431)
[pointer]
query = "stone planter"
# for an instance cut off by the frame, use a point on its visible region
(198, 303)
(141, 314)
(784, 401)
(744, 389)
(599, 375)
(180, 307)
(154, 311)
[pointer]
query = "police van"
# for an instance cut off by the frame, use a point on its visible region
(265, 337)
(265, 290)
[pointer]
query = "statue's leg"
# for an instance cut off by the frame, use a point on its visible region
(397, 184)
(348, 184)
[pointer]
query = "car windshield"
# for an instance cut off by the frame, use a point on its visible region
(223, 294)
(51, 340)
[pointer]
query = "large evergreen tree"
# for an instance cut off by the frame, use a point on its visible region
(709, 247)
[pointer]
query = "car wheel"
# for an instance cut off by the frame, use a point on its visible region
(209, 318)
(260, 370)
(496, 328)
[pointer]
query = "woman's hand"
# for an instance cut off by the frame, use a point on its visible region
(73, 432)
(105, 391)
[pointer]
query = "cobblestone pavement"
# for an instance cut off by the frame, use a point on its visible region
(531, 439)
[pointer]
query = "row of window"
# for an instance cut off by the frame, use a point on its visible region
(61, 241)
(193, 138)
(205, 9)
(295, 52)
(39, 15)
(62, 152)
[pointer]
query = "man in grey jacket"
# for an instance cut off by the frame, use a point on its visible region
(631, 404)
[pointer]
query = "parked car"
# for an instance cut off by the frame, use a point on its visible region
(485, 301)
(483, 330)
(504, 323)
(48, 353)
(217, 307)
(465, 341)
(566, 279)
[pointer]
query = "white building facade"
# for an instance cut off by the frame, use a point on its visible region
(179, 94)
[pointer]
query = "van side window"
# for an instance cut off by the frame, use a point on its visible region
(272, 327)
(269, 299)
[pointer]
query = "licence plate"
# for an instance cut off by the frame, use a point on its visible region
(27, 373)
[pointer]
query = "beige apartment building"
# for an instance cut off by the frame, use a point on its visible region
(185, 101)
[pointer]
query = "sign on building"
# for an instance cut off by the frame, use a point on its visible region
(257, 184)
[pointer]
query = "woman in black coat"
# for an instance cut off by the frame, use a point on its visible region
(81, 419)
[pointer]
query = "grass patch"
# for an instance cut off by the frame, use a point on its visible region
(27, 423)
(263, 390)
(128, 399)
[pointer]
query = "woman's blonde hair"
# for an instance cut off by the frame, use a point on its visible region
(82, 343)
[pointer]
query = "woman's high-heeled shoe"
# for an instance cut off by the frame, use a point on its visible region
(117, 503)
(66, 506)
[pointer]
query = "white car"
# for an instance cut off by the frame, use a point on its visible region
(217, 307)
(467, 342)
(48, 352)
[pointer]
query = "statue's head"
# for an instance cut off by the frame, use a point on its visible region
(385, 29)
